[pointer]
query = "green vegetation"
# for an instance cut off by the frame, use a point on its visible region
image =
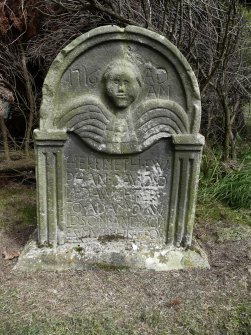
(27, 214)
(236, 322)
(68, 326)
(214, 211)
(229, 183)
(234, 188)
(7, 296)
(18, 207)
(78, 249)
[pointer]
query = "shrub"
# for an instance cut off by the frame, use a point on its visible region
(230, 183)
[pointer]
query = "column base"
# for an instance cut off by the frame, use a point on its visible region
(110, 255)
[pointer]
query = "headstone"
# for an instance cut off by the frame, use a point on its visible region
(118, 155)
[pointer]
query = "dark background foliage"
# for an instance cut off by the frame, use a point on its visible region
(213, 35)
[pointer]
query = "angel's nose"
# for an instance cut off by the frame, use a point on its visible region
(121, 87)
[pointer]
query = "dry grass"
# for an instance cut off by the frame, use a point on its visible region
(200, 302)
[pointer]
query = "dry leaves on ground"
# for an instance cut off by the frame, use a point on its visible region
(10, 254)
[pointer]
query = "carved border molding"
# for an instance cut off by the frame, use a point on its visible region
(51, 181)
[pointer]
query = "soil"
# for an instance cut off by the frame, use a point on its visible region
(209, 301)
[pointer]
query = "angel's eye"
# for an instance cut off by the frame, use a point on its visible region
(116, 81)
(126, 82)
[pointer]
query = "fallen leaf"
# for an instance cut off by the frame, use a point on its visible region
(173, 303)
(10, 254)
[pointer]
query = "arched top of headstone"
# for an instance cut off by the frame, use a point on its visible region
(120, 90)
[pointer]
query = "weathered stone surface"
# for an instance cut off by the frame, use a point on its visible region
(124, 195)
(110, 252)
(118, 150)
(79, 68)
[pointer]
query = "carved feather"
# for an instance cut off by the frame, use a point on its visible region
(89, 121)
(158, 119)
(152, 120)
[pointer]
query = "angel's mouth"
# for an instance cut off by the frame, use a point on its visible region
(121, 96)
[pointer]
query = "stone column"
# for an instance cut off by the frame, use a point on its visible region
(185, 178)
(50, 174)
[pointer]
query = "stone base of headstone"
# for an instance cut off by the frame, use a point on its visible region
(110, 254)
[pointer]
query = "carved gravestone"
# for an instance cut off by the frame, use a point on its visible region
(118, 154)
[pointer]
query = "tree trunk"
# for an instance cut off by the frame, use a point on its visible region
(228, 123)
(31, 102)
(233, 148)
(4, 134)
(227, 133)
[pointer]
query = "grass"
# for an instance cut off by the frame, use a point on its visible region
(227, 182)
(221, 223)
(234, 188)
(234, 322)
(27, 214)
(68, 326)
(215, 211)
(7, 296)
(18, 207)
(238, 322)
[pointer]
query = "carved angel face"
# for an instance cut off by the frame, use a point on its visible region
(121, 84)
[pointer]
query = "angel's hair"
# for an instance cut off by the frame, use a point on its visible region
(122, 63)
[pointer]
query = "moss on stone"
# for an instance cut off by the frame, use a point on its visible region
(187, 262)
(78, 249)
(110, 267)
(110, 238)
(163, 259)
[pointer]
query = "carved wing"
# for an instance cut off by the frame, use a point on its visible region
(159, 119)
(89, 121)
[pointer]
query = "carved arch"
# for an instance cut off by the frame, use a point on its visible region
(51, 109)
